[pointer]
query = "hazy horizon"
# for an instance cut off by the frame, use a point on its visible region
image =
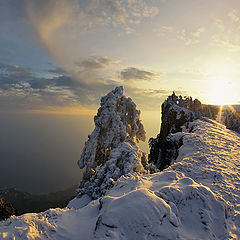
(39, 152)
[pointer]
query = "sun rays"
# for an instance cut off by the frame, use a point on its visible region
(221, 91)
(230, 108)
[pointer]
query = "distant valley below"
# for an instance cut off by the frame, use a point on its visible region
(25, 202)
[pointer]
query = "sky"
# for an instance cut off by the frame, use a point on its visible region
(58, 57)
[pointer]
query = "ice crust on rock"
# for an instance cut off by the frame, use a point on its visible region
(111, 149)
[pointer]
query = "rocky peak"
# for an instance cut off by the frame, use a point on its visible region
(176, 112)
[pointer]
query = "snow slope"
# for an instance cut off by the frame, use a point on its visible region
(195, 198)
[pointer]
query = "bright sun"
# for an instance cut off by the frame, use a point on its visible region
(222, 91)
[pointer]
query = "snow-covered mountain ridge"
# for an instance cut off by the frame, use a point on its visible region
(196, 197)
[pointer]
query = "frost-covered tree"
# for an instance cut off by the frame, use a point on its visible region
(111, 149)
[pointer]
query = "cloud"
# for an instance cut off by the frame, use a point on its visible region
(228, 31)
(141, 8)
(47, 18)
(58, 71)
(135, 74)
(198, 32)
(23, 87)
(92, 70)
(151, 99)
(164, 30)
(96, 62)
(119, 13)
(61, 24)
(11, 75)
(26, 88)
(10, 68)
(61, 94)
(47, 92)
(188, 37)
(231, 43)
(234, 15)
(49, 15)
(219, 24)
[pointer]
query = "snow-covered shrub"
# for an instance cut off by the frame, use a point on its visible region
(111, 149)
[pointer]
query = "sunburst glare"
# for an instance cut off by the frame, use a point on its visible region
(221, 91)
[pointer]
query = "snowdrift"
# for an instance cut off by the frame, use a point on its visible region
(195, 198)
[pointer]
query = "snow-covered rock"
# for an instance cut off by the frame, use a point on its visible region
(176, 112)
(111, 149)
(195, 198)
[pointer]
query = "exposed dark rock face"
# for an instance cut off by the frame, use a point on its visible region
(176, 113)
(6, 210)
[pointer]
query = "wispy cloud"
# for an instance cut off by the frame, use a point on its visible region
(96, 62)
(228, 31)
(198, 32)
(27, 88)
(56, 92)
(188, 37)
(151, 99)
(136, 74)
(234, 15)
(60, 24)
(22, 88)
